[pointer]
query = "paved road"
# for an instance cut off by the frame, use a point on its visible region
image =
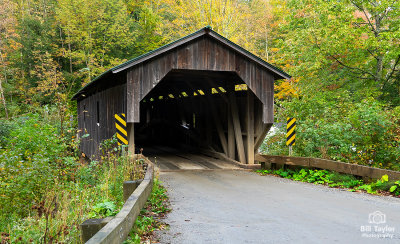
(234, 206)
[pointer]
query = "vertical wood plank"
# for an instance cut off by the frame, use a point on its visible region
(130, 97)
(218, 125)
(201, 51)
(237, 128)
(268, 114)
(195, 56)
(231, 135)
(137, 91)
(250, 127)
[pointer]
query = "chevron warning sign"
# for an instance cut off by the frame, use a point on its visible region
(122, 134)
(291, 132)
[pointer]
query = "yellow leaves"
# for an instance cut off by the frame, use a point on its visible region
(287, 89)
(273, 49)
(242, 23)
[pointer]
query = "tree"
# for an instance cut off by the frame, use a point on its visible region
(351, 43)
(92, 43)
(7, 44)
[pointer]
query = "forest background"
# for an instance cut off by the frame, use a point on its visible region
(344, 57)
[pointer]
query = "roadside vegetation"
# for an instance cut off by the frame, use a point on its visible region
(151, 216)
(46, 190)
(383, 186)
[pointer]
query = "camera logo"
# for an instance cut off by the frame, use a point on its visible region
(377, 217)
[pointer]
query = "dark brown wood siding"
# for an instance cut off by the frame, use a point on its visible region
(204, 53)
(96, 117)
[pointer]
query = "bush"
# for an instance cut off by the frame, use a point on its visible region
(5, 128)
(332, 125)
(47, 193)
(32, 161)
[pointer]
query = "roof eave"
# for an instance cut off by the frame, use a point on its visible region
(280, 74)
(270, 67)
(80, 92)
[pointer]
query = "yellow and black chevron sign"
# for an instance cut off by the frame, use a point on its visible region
(291, 132)
(122, 134)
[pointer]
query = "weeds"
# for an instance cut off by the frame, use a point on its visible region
(150, 216)
(334, 179)
(45, 193)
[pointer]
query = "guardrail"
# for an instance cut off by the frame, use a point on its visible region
(346, 168)
(117, 230)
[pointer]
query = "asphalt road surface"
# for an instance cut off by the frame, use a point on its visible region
(236, 206)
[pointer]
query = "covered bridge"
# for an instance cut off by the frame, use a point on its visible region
(202, 91)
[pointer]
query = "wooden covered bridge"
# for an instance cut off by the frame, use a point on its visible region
(201, 91)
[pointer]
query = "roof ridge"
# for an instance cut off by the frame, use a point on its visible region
(207, 30)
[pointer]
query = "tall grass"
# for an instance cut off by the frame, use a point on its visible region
(46, 192)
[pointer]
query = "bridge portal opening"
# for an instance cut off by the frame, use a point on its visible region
(201, 91)
(200, 110)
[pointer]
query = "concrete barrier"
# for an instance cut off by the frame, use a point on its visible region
(117, 230)
(346, 168)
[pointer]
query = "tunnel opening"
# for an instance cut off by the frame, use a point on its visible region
(195, 110)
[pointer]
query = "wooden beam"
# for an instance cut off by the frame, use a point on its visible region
(220, 131)
(258, 117)
(231, 135)
(236, 127)
(261, 136)
(131, 139)
(250, 127)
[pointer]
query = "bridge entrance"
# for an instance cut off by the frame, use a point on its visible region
(202, 110)
(202, 91)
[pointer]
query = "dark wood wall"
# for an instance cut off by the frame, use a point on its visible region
(96, 117)
(204, 53)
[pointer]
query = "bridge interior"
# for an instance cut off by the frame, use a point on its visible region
(200, 110)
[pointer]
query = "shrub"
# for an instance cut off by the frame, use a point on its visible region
(32, 161)
(332, 125)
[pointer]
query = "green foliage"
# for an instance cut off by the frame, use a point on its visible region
(149, 218)
(395, 189)
(104, 209)
(349, 44)
(334, 179)
(45, 191)
(158, 201)
(87, 175)
(382, 184)
(343, 180)
(344, 61)
(34, 159)
(5, 129)
(331, 125)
